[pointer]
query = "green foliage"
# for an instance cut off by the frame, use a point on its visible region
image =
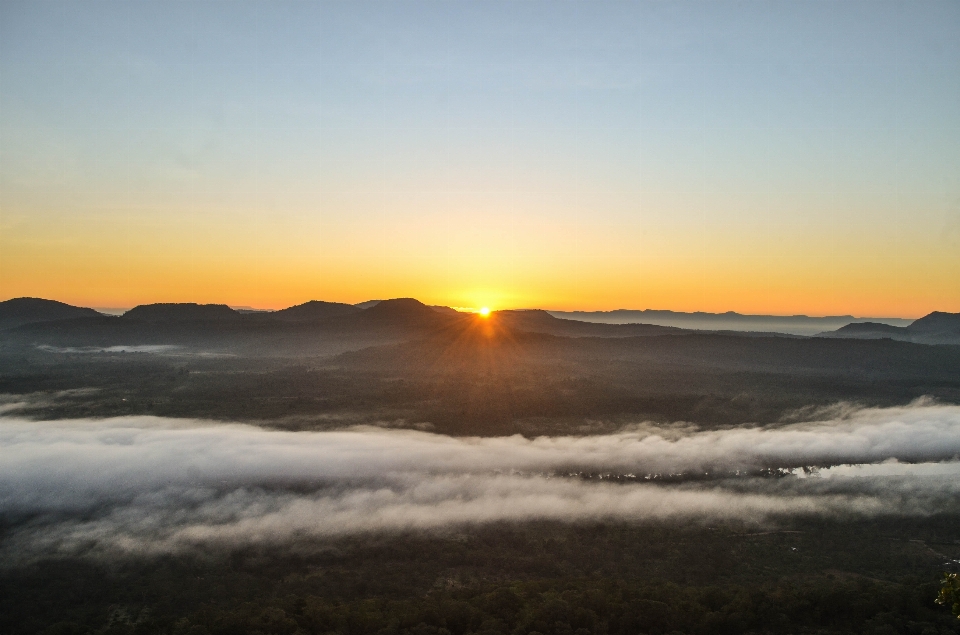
(950, 593)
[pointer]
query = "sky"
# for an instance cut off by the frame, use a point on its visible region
(762, 157)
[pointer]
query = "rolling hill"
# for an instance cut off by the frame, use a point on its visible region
(19, 311)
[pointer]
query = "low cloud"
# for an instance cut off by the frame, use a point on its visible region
(145, 484)
(142, 348)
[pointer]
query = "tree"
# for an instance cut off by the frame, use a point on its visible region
(950, 593)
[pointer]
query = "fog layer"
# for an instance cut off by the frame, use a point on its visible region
(147, 484)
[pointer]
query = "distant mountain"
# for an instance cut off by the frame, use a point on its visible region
(937, 324)
(220, 329)
(729, 321)
(182, 312)
(869, 330)
(327, 328)
(314, 310)
(404, 310)
(935, 328)
(438, 308)
(19, 311)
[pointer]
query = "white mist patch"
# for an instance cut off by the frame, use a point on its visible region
(148, 484)
(888, 468)
(177, 519)
(143, 348)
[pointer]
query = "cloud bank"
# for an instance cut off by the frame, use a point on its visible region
(144, 484)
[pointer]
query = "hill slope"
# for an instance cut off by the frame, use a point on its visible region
(937, 325)
(19, 311)
(314, 310)
(405, 310)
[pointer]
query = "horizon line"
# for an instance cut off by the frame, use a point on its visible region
(463, 309)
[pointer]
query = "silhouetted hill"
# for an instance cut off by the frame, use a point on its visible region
(219, 329)
(181, 312)
(314, 310)
(20, 311)
(937, 323)
(406, 310)
(327, 328)
(868, 330)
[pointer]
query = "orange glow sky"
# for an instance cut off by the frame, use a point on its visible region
(776, 158)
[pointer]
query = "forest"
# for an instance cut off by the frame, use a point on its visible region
(806, 576)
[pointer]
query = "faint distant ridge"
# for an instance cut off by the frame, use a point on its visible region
(540, 321)
(729, 321)
(249, 310)
(19, 311)
(181, 312)
(314, 310)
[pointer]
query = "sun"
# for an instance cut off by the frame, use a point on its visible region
(484, 311)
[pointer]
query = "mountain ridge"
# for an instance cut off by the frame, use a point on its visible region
(729, 321)
(937, 327)
(409, 313)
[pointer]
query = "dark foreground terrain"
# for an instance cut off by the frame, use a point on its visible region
(807, 576)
